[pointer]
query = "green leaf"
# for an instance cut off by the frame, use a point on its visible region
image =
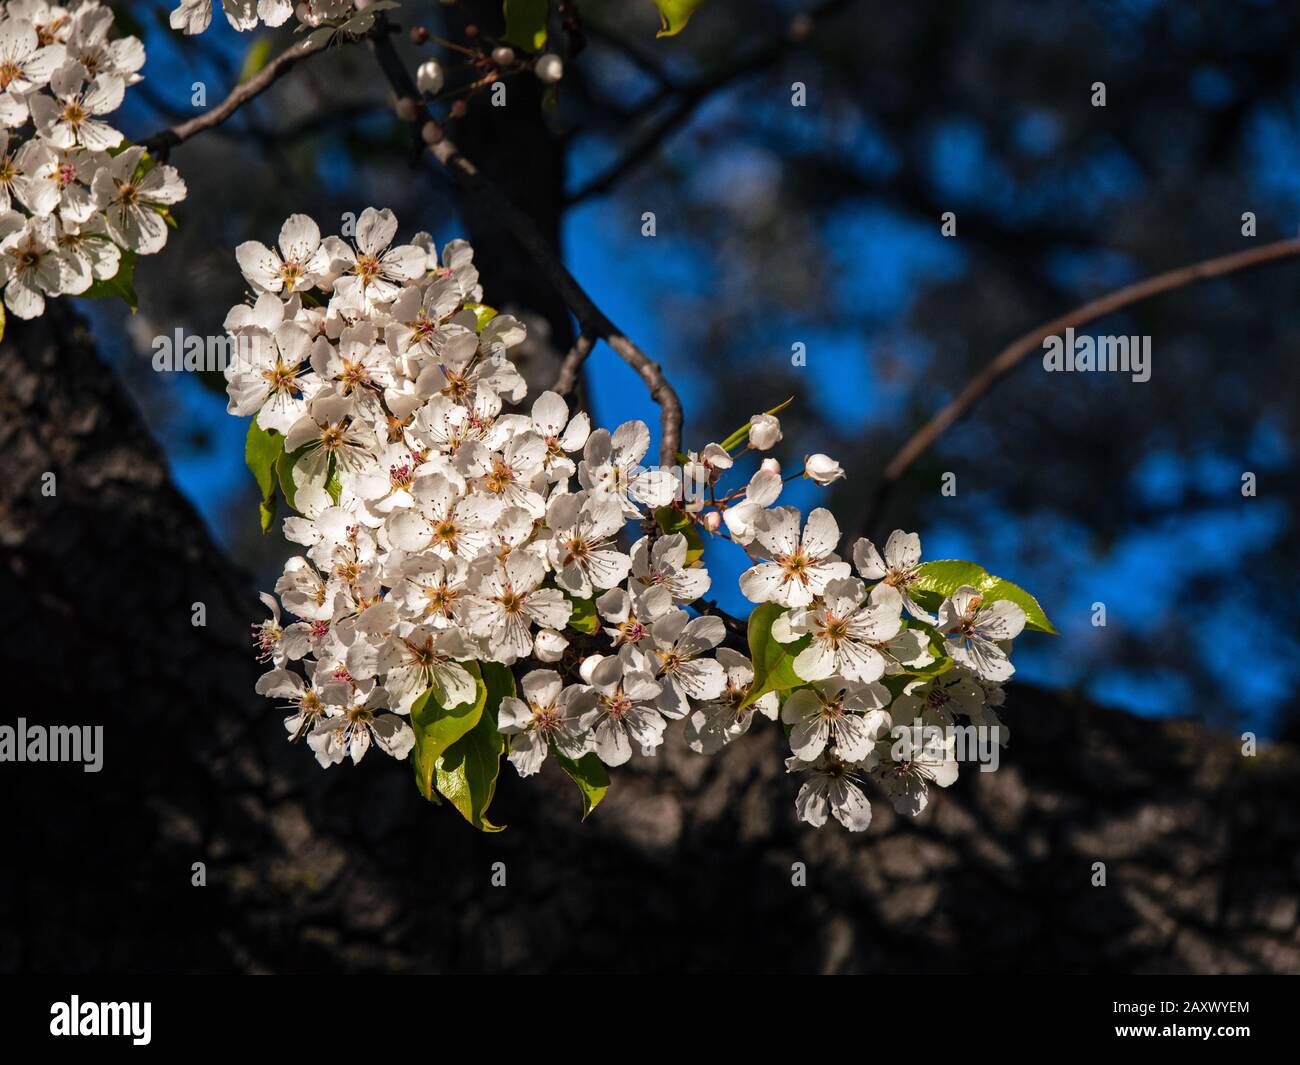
(257, 56)
(284, 470)
(262, 447)
(773, 660)
(742, 434)
(589, 773)
(674, 520)
(482, 314)
(437, 727)
(941, 578)
(121, 284)
(466, 773)
(583, 618)
(674, 14)
(333, 485)
(526, 24)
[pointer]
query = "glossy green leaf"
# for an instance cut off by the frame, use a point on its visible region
(466, 773)
(674, 14)
(589, 773)
(584, 618)
(333, 485)
(284, 471)
(675, 520)
(939, 579)
(526, 24)
(482, 314)
(120, 285)
(437, 727)
(262, 447)
(773, 660)
(742, 434)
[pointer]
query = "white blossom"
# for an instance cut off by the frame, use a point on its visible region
(798, 569)
(974, 632)
(549, 714)
(458, 538)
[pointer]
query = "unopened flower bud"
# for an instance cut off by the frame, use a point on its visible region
(549, 645)
(764, 431)
(430, 77)
(770, 466)
(549, 68)
(503, 56)
(712, 521)
(419, 35)
(822, 469)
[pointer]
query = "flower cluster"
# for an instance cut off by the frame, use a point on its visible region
(72, 200)
(195, 16)
(451, 532)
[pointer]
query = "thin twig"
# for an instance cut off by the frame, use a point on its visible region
(690, 96)
(591, 319)
(572, 365)
(164, 140)
(1010, 356)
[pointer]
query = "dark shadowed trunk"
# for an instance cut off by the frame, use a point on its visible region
(518, 153)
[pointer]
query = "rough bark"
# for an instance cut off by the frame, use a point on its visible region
(687, 865)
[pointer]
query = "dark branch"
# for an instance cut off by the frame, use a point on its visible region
(164, 140)
(691, 96)
(1009, 357)
(591, 319)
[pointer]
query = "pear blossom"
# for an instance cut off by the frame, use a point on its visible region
(510, 600)
(78, 207)
(720, 720)
(611, 469)
(662, 563)
(845, 629)
(297, 261)
(741, 519)
(31, 267)
(549, 714)
(626, 711)
(914, 759)
(940, 699)
(798, 569)
(629, 612)
(678, 649)
(832, 789)
(974, 632)
(838, 715)
(764, 432)
(822, 469)
(194, 16)
(359, 721)
(456, 537)
(373, 270)
(581, 548)
(73, 117)
(898, 568)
